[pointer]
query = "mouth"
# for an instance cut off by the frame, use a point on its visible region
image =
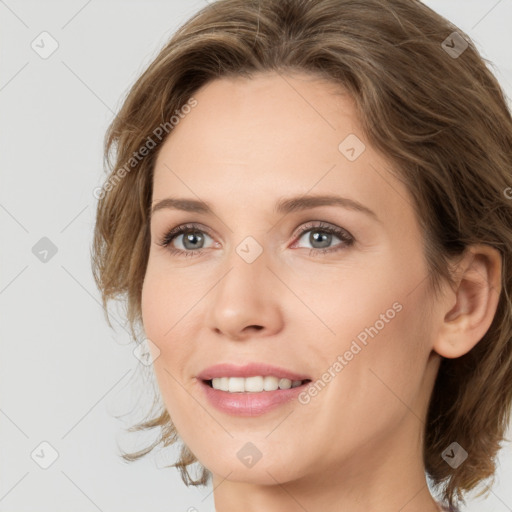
(251, 396)
(254, 384)
(252, 389)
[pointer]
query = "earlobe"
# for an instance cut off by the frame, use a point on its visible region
(469, 307)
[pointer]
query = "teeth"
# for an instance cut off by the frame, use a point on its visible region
(253, 384)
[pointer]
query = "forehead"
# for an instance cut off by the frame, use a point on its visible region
(246, 119)
(271, 136)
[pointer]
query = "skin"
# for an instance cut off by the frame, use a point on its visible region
(356, 446)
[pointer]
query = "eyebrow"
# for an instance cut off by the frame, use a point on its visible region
(283, 206)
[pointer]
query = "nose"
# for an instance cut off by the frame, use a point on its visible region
(244, 303)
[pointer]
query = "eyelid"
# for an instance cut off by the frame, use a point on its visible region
(346, 238)
(178, 230)
(321, 225)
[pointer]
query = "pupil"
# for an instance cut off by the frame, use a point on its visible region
(315, 235)
(191, 237)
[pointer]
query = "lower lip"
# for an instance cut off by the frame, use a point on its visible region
(250, 404)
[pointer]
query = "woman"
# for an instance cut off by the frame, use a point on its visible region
(334, 375)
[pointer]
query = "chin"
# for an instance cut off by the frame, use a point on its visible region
(260, 473)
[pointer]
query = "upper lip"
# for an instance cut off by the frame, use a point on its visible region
(249, 370)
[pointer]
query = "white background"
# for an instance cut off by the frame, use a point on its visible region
(64, 374)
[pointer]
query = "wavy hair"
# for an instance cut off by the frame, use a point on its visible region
(441, 118)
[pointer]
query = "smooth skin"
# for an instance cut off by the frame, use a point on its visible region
(357, 445)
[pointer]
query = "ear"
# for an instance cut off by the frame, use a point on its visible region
(469, 307)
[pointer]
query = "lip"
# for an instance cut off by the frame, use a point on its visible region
(248, 403)
(249, 370)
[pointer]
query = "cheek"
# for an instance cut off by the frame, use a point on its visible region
(382, 334)
(153, 302)
(170, 308)
(161, 303)
(380, 378)
(161, 312)
(394, 352)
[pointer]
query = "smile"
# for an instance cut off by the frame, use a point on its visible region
(255, 384)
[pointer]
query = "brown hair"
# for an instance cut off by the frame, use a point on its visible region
(442, 119)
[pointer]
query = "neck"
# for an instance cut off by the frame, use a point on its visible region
(384, 475)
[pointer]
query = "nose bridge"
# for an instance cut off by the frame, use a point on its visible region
(247, 275)
(243, 295)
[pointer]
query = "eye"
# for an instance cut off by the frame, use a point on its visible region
(192, 242)
(321, 236)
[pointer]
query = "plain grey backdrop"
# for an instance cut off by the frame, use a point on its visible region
(65, 375)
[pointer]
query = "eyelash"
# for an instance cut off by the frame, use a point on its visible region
(346, 239)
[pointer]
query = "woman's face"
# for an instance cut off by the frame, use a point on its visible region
(323, 289)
